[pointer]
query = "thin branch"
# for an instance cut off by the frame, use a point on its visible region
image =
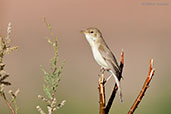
(112, 97)
(8, 104)
(102, 94)
(144, 88)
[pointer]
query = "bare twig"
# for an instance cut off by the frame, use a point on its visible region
(102, 94)
(144, 88)
(8, 104)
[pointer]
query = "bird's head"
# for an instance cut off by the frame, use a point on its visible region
(92, 34)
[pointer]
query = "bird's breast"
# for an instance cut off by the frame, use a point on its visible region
(98, 57)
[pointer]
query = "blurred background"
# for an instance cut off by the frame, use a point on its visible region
(141, 28)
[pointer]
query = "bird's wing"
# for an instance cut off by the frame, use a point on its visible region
(112, 62)
(109, 58)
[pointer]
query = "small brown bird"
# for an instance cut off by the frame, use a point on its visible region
(102, 54)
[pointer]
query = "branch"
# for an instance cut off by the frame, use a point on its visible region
(112, 97)
(144, 88)
(8, 104)
(102, 94)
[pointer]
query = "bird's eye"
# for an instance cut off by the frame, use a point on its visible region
(91, 31)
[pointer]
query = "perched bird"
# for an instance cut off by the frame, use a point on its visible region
(102, 54)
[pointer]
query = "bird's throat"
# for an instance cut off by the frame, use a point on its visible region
(90, 39)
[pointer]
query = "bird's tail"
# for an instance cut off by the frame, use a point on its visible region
(117, 83)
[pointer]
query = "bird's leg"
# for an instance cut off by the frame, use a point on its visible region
(108, 77)
(102, 70)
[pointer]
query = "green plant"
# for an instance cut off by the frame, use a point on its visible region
(51, 78)
(5, 48)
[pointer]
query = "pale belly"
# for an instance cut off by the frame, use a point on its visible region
(99, 59)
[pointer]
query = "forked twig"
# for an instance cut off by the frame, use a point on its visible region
(144, 88)
(8, 104)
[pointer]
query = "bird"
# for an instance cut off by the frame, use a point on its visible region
(102, 54)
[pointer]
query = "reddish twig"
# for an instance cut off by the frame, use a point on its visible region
(144, 88)
(102, 94)
(8, 104)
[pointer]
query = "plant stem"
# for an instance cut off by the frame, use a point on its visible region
(8, 104)
(102, 94)
(143, 90)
